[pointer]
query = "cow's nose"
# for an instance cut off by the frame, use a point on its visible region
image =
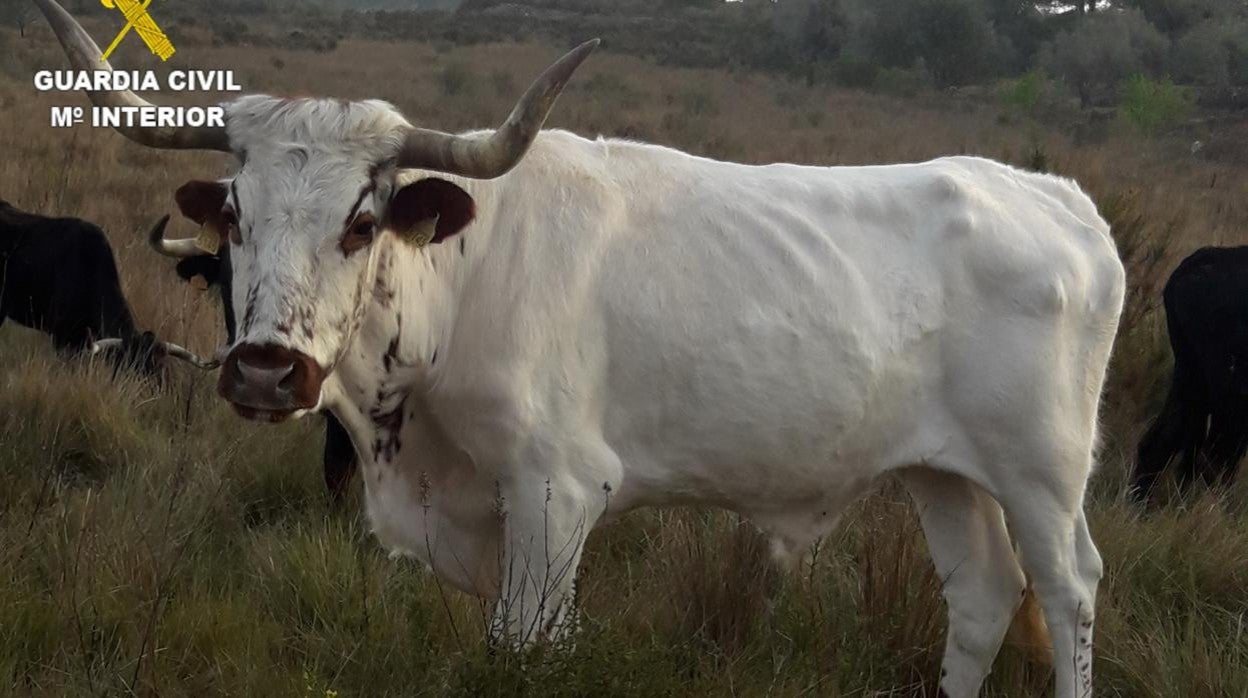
(276, 380)
(268, 381)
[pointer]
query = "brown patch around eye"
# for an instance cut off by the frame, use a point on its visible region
(359, 234)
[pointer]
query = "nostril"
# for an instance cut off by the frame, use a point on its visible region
(288, 382)
(275, 379)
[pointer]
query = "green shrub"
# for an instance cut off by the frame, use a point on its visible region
(1153, 106)
(1023, 94)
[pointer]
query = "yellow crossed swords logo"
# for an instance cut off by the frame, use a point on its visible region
(138, 19)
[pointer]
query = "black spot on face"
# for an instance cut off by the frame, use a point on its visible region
(250, 313)
(461, 246)
(306, 317)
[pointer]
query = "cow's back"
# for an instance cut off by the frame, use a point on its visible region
(734, 329)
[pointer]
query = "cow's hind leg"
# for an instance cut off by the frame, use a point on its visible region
(1064, 567)
(1178, 431)
(1228, 432)
(980, 576)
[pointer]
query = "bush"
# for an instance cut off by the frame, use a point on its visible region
(1023, 94)
(904, 82)
(1153, 106)
(854, 71)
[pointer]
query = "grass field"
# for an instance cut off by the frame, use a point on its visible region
(153, 543)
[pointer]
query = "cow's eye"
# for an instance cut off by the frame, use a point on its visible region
(359, 234)
(230, 219)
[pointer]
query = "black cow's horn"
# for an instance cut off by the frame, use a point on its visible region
(179, 249)
(103, 344)
(188, 356)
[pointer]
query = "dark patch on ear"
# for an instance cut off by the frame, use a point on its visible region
(420, 203)
(201, 201)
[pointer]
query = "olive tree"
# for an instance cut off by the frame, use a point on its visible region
(1102, 50)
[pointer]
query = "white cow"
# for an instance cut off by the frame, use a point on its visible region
(520, 354)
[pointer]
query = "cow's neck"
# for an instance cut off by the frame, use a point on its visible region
(387, 374)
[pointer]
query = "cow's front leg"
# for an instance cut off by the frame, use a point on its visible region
(544, 527)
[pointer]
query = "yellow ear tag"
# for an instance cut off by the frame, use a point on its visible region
(424, 231)
(208, 239)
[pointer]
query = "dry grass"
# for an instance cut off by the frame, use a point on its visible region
(152, 543)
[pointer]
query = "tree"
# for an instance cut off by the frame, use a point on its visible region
(1213, 54)
(954, 39)
(814, 30)
(1024, 27)
(1103, 50)
(1175, 17)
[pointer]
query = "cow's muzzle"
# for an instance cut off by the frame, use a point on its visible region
(269, 383)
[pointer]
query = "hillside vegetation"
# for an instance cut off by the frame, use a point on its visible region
(153, 543)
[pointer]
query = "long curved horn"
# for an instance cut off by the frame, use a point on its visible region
(188, 356)
(178, 249)
(486, 158)
(101, 345)
(84, 54)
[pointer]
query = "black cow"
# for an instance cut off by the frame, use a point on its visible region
(59, 276)
(339, 461)
(1203, 425)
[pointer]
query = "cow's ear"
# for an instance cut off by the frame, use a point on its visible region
(429, 210)
(202, 201)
